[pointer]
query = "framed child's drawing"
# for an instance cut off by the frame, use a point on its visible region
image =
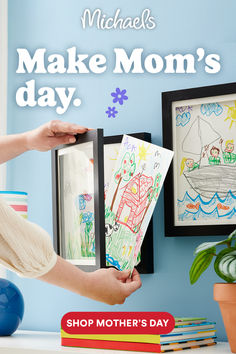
(79, 188)
(78, 201)
(199, 125)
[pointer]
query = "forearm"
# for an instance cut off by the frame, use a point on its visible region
(106, 285)
(26, 249)
(94, 285)
(67, 276)
(12, 146)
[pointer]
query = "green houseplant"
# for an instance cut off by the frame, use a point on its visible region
(225, 268)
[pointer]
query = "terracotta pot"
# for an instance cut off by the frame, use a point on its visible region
(225, 294)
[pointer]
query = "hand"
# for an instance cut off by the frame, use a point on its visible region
(52, 134)
(106, 285)
(111, 286)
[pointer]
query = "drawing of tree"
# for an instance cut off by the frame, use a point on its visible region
(125, 172)
(153, 193)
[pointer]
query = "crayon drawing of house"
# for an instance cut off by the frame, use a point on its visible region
(134, 202)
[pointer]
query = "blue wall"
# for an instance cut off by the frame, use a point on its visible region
(182, 26)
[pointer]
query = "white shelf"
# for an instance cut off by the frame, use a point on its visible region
(28, 342)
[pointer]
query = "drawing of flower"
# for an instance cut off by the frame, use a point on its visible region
(111, 112)
(119, 96)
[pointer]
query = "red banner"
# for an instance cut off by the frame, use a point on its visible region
(117, 323)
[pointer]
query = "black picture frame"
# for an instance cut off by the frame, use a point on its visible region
(168, 99)
(146, 265)
(95, 136)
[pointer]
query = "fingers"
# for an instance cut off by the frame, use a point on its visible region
(121, 285)
(58, 127)
(135, 275)
(124, 275)
(61, 140)
(134, 284)
(128, 280)
(132, 287)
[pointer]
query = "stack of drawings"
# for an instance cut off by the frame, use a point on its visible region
(189, 333)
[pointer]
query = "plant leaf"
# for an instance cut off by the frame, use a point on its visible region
(207, 245)
(225, 264)
(201, 263)
(232, 236)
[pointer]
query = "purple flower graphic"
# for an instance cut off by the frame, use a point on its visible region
(111, 112)
(119, 96)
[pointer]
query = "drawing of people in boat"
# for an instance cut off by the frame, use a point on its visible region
(228, 155)
(189, 163)
(214, 158)
(218, 175)
(205, 163)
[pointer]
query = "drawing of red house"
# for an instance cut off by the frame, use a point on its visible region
(134, 201)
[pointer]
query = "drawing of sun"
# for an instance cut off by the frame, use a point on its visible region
(142, 152)
(231, 115)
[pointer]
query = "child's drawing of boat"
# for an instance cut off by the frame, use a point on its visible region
(208, 179)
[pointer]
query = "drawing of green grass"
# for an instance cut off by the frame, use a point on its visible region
(69, 249)
(87, 242)
(118, 244)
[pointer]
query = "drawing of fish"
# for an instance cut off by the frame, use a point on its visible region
(193, 206)
(222, 206)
